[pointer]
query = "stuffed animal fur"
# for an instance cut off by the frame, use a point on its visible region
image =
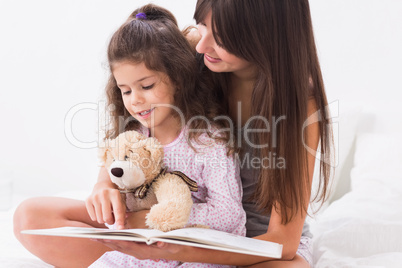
(135, 165)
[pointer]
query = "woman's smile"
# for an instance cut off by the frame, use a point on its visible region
(212, 59)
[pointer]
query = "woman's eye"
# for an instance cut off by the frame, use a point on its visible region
(148, 87)
(127, 92)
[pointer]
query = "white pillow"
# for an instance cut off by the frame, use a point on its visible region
(345, 119)
(378, 158)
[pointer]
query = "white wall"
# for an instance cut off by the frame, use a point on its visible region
(52, 58)
(360, 48)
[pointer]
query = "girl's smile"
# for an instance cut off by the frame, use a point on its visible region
(145, 114)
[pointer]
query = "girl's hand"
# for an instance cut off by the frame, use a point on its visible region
(105, 205)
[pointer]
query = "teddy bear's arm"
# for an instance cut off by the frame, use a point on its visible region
(174, 204)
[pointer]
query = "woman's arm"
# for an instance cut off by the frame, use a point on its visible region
(289, 235)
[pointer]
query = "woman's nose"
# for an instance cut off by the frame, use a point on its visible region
(205, 44)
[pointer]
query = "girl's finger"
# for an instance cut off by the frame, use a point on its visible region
(98, 212)
(107, 212)
(90, 210)
(119, 211)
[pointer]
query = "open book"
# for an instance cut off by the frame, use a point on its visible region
(196, 237)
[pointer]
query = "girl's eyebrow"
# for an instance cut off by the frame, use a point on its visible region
(146, 77)
(139, 80)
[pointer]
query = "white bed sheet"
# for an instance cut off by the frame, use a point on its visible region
(362, 229)
(12, 253)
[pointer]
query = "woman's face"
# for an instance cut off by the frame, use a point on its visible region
(216, 58)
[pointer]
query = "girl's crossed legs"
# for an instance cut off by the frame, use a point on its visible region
(51, 212)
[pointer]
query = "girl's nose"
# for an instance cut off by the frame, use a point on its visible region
(136, 98)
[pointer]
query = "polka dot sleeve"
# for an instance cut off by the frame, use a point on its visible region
(220, 196)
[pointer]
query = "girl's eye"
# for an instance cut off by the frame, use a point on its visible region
(126, 158)
(127, 92)
(148, 87)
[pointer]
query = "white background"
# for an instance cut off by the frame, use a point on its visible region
(52, 58)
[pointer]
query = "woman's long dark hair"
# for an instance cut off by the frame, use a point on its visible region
(277, 37)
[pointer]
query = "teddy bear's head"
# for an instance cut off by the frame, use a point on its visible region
(132, 159)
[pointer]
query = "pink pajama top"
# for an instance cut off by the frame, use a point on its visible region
(217, 204)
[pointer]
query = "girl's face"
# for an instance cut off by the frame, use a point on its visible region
(147, 95)
(216, 58)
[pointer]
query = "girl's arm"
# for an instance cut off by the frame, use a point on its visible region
(105, 204)
(221, 189)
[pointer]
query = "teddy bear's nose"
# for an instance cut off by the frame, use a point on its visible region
(118, 172)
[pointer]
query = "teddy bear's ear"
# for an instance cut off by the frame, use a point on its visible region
(103, 150)
(133, 136)
(155, 148)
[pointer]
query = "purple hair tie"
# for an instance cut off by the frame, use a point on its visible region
(141, 15)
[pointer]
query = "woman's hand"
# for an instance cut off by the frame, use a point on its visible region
(142, 251)
(105, 205)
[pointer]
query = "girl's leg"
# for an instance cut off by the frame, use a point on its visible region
(50, 212)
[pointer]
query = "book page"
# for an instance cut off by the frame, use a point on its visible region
(226, 240)
(138, 235)
(197, 237)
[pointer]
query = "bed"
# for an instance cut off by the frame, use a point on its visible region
(359, 226)
(363, 228)
(12, 254)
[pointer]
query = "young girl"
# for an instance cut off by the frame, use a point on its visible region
(265, 68)
(153, 70)
(154, 89)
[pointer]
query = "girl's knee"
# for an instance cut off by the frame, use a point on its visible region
(24, 215)
(31, 213)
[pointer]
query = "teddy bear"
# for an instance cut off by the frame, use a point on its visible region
(135, 164)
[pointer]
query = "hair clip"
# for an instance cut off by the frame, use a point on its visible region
(141, 15)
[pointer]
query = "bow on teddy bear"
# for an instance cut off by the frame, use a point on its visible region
(135, 165)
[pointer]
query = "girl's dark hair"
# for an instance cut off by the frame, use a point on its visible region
(155, 40)
(277, 37)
